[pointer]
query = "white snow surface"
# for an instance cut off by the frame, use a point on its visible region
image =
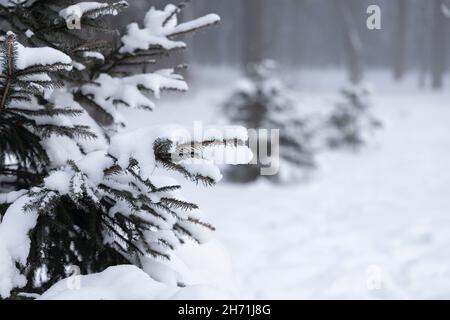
(115, 283)
(370, 225)
(206, 267)
(367, 225)
(14, 245)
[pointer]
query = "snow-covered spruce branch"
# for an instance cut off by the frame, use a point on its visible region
(29, 119)
(142, 47)
(70, 195)
(160, 29)
(91, 10)
(104, 94)
(92, 60)
(123, 209)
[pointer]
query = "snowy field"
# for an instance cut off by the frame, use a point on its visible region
(375, 224)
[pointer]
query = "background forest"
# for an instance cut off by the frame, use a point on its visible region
(303, 34)
(359, 204)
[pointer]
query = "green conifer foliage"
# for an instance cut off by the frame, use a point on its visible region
(74, 190)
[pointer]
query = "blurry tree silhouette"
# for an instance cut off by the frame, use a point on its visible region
(252, 34)
(400, 39)
(353, 42)
(439, 45)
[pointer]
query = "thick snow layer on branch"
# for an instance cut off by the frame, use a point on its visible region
(77, 10)
(110, 92)
(94, 55)
(139, 145)
(154, 33)
(40, 56)
(44, 56)
(92, 165)
(207, 20)
(58, 181)
(81, 8)
(159, 27)
(14, 245)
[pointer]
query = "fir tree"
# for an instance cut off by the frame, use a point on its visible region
(262, 102)
(351, 120)
(76, 191)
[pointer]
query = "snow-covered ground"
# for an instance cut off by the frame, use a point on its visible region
(375, 224)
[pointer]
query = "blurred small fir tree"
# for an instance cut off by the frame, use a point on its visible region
(262, 102)
(351, 121)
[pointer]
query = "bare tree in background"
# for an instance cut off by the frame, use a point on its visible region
(400, 39)
(353, 43)
(439, 45)
(187, 56)
(252, 35)
(302, 33)
(295, 32)
(423, 33)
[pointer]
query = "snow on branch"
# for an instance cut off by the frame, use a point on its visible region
(28, 95)
(24, 57)
(110, 92)
(25, 70)
(41, 56)
(124, 177)
(140, 47)
(85, 193)
(91, 10)
(193, 153)
(160, 26)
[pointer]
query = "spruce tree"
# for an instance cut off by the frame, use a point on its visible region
(351, 121)
(75, 190)
(261, 101)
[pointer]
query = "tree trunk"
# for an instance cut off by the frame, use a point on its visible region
(439, 45)
(423, 17)
(252, 37)
(400, 40)
(186, 57)
(352, 41)
(294, 33)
